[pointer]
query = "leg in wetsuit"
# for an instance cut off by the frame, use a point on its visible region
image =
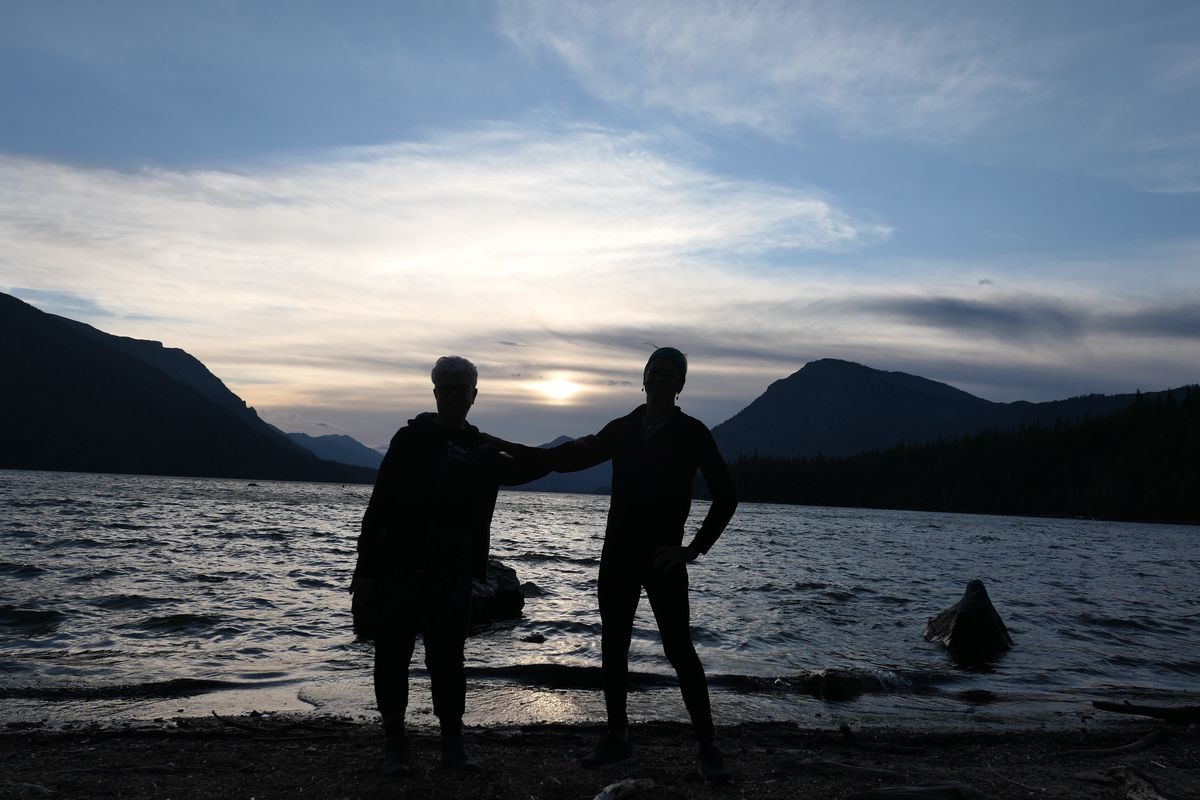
(619, 591)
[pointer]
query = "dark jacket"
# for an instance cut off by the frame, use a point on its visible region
(431, 510)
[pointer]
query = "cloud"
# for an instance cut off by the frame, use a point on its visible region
(1020, 318)
(325, 286)
(1178, 321)
(736, 340)
(316, 278)
(1020, 378)
(1143, 129)
(1038, 319)
(779, 67)
(64, 304)
(1179, 67)
(1173, 170)
(995, 84)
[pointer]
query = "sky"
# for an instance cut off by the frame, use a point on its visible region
(317, 199)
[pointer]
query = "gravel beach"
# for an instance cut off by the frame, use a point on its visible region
(276, 756)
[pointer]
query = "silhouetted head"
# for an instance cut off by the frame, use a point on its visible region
(454, 379)
(666, 369)
(454, 369)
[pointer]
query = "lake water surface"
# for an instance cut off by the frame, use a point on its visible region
(130, 597)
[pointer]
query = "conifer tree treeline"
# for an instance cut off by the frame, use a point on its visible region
(1139, 464)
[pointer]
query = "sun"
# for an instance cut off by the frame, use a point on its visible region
(557, 390)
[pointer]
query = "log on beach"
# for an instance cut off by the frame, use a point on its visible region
(1173, 722)
(1177, 714)
(1152, 738)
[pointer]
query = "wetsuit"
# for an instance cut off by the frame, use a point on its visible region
(425, 535)
(651, 498)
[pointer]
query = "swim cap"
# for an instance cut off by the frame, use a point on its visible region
(679, 359)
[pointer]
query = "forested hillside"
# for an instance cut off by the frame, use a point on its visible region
(1142, 463)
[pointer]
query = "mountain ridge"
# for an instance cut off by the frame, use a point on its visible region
(340, 448)
(841, 408)
(79, 399)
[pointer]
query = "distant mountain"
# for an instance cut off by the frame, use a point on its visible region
(839, 408)
(75, 398)
(340, 448)
(1139, 463)
(593, 480)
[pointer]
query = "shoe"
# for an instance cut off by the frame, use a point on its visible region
(613, 748)
(711, 765)
(397, 757)
(454, 755)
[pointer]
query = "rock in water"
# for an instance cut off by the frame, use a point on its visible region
(971, 629)
(498, 597)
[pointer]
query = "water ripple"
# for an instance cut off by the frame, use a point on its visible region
(122, 584)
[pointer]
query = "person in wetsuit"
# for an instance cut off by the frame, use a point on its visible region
(655, 452)
(425, 535)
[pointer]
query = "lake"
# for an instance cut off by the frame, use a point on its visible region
(129, 598)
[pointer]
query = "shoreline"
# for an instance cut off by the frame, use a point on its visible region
(508, 706)
(497, 704)
(289, 755)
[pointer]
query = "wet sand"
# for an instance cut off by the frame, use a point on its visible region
(277, 756)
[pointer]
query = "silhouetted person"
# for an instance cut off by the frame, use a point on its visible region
(425, 534)
(655, 451)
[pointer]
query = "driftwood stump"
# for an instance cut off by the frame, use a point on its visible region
(971, 629)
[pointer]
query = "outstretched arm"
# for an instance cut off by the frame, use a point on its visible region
(572, 456)
(515, 470)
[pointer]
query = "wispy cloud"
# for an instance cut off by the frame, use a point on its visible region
(302, 279)
(1161, 164)
(1170, 321)
(778, 67)
(508, 213)
(1028, 86)
(1134, 93)
(64, 304)
(330, 282)
(1029, 319)
(1179, 67)
(1024, 319)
